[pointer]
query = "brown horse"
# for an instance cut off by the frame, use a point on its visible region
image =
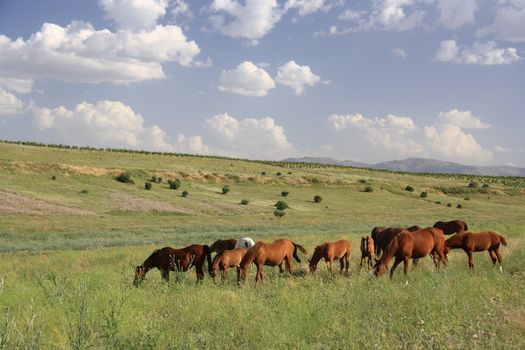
(450, 227)
(367, 251)
(270, 254)
(384, 237)
(376, 233)
(412, 245)
(477, 242)
(168, 259)
(329, 251)
(221, 245)
(227, 259)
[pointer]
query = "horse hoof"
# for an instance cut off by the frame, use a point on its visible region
(501, 269)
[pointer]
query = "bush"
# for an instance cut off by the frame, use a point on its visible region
(225, 189)
(156, 179)
(467, 198)
(289, 173)
(174, 184)
(368, 189)
(245, 202)
(53, 177)
(438, 202)
(279, 213)
(473, 184)
(185, 193)
(362, 181)
(423, 194)
(279, 173)
(148, 185)
(449, 205)
(409, 188)
(84, 191)
(284, 193)
(459, 206)
(281, 205)
(485, 186)
(318, 198)
(125, 177)
(263, 173)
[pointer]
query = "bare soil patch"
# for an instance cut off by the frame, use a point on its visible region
(129, 202)
(16, 203)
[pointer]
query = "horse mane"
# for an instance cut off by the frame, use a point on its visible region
(390, 250)
(318, 253)
(248, 257)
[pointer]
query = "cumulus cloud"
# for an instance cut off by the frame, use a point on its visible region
(297, 77)
(306, 7)
(248, 137)
(399, 53)
(454, 14)
(110, 124)
(78, 52)
(480, 53)
(508, 23)
(401, 137)
(246, 79)
(9, 103)
(134, 14)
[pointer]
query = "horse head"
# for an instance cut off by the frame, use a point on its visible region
(140, 272)
(379, 268)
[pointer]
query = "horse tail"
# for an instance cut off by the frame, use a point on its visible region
(301, 248)
(207, 250)
(503, 241)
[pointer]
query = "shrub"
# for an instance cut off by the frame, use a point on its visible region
(409, 188)
(263, 173)
(125, 177)
(423, 194)
(485, 186)
(318, 198)
(53, 177)
(156, 179)
(459, 206)
(467, 198)
(362, 181)
(225, 189)
(449, 205)
(84, 191)
(279, 213)
(289, 173)
(284, 193)
(174, 184)
(279, 173)
(244, 201)
(438, 202)
(473, 184)
(368, 189)
(148, 185)
(281, 205)
(185, 193)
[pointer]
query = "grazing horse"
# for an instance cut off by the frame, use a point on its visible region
(384, 237)
(450, 227)
(329, 251)
(245, 242)
(221, 245)
(477, 242)
(270, 254)
(412, 245)
(376, 233)
(168, 259)
(225, 260)
(367, 251)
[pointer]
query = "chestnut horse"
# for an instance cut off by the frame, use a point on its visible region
(367, 251)
(412, 245)
(168, 259)
(225, 260)
(329, 251)
(270, 254)
(477, 242)
(221, 245)
(384, 237)
(450, 227)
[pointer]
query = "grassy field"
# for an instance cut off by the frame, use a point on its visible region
(70, 236)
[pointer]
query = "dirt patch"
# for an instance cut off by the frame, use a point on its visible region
(92, 171)
(15, 203)
(128, 202)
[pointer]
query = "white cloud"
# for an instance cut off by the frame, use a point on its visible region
(306, 7)
(78, 52)
(480, 53)
(399, 53)
(502, 149)
(134, 14)
(246, 79)
(9, 103)
(181, 8)
(509, 22)
(18, 84)
(397, 137)
(456, 13)
(297, 77)
(109, 124)
(249, 137)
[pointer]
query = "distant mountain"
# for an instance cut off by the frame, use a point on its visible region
(421, 165)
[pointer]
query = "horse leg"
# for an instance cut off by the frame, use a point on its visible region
(493, 257)
(200, 272)
(281, 270)
(347, 264)
(396, 262)
(165, 275)
(361, 263)
(406, 262)
(288, 262)
(342, 265)
(500, 260)
(258, 275)
(224, 273)
(470, 261)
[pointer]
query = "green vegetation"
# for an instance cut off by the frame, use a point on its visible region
(424, 194)
(125, 177)
(174, 184)
(285, 193)
(185, 193)
(244, 201)
(318, 198)
(368, 189)
(148, 185)
(68, 258)
(225, 189)
(409, 188)
(281, 205)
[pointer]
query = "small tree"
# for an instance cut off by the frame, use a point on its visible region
(449, 205)
(263, 173)
(225, 189)
(409, 188)
(485, 186)
(148, 185)
(185, 194)
(281, 205)
(245, 202)
(284, 193)
(279, 213)
(473, 184)
(174, 184)
(423, 194)
(459, 206)
(318, 198)
(362, 181)
(279, 173)
(84, 191)
(369, 189)
(53, 177)
(125, 177)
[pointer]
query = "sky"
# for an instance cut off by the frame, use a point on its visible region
(367, 81)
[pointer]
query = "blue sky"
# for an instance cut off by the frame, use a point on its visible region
(362, 80)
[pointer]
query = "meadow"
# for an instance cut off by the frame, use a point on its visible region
(71, 235)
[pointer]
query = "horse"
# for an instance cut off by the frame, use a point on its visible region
(168, 259)
(329, 251)
(245, 242)
(412, 245)
(376, 233)
(384, 237)
(270, 254)
(477, 242)
(367, 251)
(225, 260)
(221, 245)
(450, 227)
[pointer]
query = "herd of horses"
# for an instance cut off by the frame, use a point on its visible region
(386, 243)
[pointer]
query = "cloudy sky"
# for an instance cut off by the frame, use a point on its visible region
(368, 80)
